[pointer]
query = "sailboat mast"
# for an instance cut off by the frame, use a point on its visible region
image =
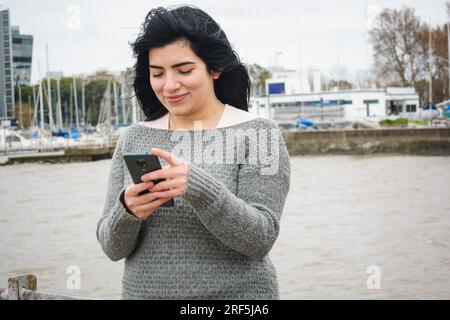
(83, 110)
(34, 122)
(123, 102)
(71, 108)
(430, 53)
(116, 108)
(29, 113)
(108, 106)
(59, 112)
(76, 104)
(49, 92)
(20, 106)
(41, 104)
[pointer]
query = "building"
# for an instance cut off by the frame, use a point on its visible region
(22, 56)
(6, 68)
(345, 105)
(293, 81)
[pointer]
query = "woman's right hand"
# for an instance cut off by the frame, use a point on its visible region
(142, 206)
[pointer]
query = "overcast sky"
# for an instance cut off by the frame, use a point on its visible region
(87, 35)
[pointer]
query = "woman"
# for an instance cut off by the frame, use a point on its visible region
(229, 193)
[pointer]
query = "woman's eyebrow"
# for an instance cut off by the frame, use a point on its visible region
(174, 66)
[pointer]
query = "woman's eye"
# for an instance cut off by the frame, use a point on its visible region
(185, 71)
(157, 75)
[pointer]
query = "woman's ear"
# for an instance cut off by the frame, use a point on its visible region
(216, 74)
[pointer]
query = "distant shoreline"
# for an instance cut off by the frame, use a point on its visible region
(423, 141)
(394, 141)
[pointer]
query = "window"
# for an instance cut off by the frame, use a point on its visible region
(410, 108)
(370, 101)
(22, 59)
(27, 41)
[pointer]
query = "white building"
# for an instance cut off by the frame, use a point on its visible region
(294, 81)
(345, 105)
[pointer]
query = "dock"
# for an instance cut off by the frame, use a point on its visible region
(25, 288)
(79, 153)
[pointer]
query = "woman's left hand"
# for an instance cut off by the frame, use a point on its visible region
(175, 175)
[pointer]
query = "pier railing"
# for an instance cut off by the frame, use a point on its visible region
(25, 288)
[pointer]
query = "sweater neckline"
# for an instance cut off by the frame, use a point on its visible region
(203, 130)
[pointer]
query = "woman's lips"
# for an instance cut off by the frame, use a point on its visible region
(176, 98)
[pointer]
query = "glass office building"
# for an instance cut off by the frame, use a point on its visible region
(22, 56)
(6, 68)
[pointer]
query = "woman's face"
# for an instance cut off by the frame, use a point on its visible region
(180, 78)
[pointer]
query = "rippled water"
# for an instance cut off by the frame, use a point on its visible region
(343, 214)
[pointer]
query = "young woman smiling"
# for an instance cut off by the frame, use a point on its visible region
(214, 243)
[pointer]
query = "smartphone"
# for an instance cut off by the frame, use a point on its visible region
(139, 164)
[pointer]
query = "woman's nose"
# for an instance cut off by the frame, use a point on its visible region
(171, 84)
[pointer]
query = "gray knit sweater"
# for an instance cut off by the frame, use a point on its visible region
(214, 243)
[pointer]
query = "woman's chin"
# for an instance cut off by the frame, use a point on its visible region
(178, 110)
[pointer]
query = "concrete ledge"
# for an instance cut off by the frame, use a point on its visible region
(427, 141)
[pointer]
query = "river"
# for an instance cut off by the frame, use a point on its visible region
(354, 227)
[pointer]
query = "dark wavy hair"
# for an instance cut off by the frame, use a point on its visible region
(206, 39)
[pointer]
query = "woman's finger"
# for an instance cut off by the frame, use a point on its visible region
(144, 199)
(168, 184)
(147, 209)
(170, 193)
(134, 189)
(170, 159)
(164, 173)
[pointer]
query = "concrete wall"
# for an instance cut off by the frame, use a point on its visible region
(429, 141)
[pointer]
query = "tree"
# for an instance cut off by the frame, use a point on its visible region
(340, 78)
(439, 66)
(398, 52)
(94, 94)
(401, 53)
(366, 79)
(258, 76)
(340, 84)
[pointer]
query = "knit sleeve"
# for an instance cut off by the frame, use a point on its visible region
(117, 230)
(248, 221)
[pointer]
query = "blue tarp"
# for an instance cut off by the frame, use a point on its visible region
(304, 122)
(446, 112)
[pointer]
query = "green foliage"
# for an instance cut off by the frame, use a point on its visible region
(258, 76)
(396, 122)
(419, 122)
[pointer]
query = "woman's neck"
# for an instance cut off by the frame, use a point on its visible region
(208, 116)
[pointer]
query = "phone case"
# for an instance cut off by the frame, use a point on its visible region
(139, 164)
